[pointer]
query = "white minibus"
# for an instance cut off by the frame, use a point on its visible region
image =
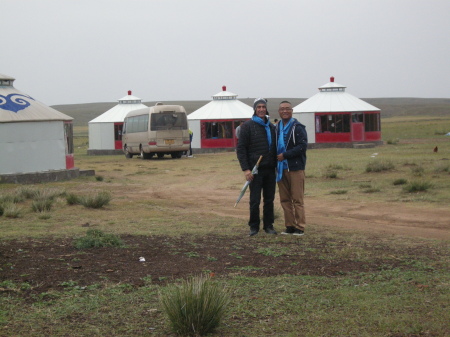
(160, 129)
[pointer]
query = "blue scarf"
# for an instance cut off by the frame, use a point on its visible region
(283, 131)
(258, 120)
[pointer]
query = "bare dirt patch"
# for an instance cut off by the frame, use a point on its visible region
(52, 264)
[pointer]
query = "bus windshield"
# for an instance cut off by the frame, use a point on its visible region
(168, 120)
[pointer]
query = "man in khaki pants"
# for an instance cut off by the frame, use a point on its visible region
(291, 142)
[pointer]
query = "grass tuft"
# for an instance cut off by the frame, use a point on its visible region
(73, 199)
(417, 186)
(379, 166)
(11, 210)
(330, 174)
(400, 181)
(42, 205)
(392, 141)
(195, 307)
(339, 192)
(96, 201)
(96, 238)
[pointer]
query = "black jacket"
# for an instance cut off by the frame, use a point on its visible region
(253, 143)
(297, 143)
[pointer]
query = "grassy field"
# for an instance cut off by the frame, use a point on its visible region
(407, 294)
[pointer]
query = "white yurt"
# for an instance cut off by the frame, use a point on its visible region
(105, 131)
(336, 118)
(33, 137)
(214, 124)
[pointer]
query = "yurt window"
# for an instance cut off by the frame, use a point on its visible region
(219, 130)
(372, 122)
(5, 83)
(334, 123)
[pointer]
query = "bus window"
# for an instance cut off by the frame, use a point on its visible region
(168, 121)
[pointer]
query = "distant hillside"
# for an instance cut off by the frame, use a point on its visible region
(83, 113)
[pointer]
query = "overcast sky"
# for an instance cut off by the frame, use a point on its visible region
(84, 51)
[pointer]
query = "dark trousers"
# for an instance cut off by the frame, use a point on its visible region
(264, 182)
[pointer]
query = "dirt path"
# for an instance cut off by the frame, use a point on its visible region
(389, 218)
(404, 219)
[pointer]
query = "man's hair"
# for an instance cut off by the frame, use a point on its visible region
(285, 102)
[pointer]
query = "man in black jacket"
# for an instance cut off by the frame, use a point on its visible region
(292, 142)
(257, 138)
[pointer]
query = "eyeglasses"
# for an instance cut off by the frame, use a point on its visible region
(284, 109)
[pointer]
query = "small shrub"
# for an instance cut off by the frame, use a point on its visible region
(339, 192)
(99, 178)
(44, 216)
(42, 205)
(96, 201)
(11, 210)
(379, 166)
(400, 181)
(11, 198)
(417, 186)
(27, 192)
(392, 141)
(330, 174)
(195, 307)
(73, 199)
(95, 238)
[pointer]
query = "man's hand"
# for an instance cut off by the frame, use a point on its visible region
(248, 175)
(280, 157)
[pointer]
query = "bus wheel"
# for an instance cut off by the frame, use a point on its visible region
(176, 154)
(127, 153)
(160, 155)
(144, 155)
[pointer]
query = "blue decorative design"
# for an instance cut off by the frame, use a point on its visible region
(14, 102)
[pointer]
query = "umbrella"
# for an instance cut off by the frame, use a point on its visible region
(244, 188)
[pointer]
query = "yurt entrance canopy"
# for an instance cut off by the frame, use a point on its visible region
(334, 116)
(33, 137)
(216, 122)
(105, 131)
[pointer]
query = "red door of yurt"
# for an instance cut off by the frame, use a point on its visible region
(118, 136)
(357, 127)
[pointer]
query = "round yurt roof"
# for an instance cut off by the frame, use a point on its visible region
(117, 113)
(333, 98)
(224, 105)
(16, 106)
